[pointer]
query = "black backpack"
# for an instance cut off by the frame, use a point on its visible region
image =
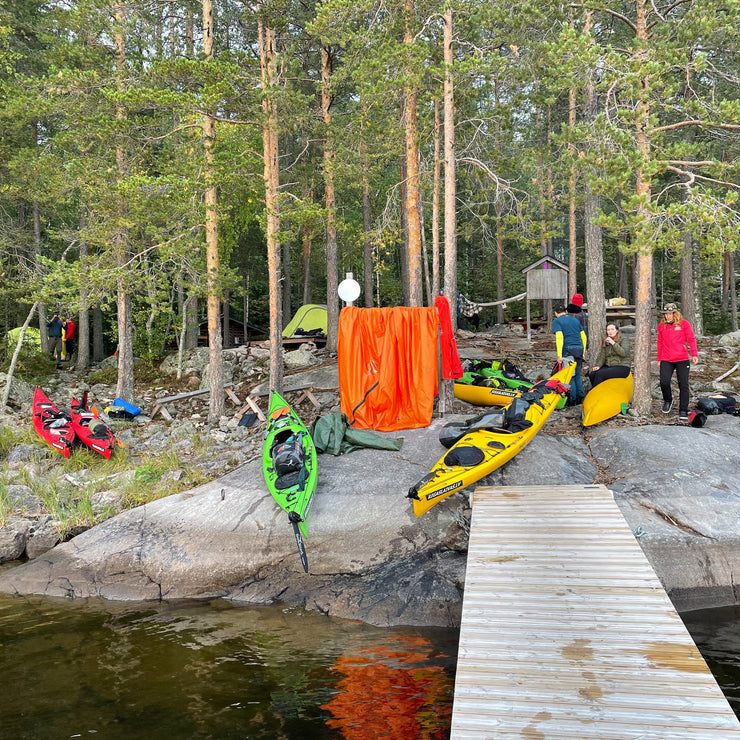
(717, 403)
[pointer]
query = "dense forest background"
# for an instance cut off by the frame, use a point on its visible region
(166, 165)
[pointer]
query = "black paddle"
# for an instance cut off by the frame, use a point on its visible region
(294, 517)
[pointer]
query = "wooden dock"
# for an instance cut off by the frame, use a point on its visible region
(567, 632)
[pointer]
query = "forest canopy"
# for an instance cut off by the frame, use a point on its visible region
(168, 165)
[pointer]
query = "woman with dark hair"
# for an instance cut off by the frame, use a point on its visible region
(675, 335)
(613, 358)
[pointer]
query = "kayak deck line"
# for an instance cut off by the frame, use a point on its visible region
(568, 636)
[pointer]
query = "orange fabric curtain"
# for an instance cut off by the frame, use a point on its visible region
(388, 366)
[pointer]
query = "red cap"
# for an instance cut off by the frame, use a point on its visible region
(577, 299)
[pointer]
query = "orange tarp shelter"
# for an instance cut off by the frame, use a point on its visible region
(388, 366)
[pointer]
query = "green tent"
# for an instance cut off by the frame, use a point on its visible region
(32, 337)
(306, 318)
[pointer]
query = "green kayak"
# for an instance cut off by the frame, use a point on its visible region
(505, 371)
(289, 466)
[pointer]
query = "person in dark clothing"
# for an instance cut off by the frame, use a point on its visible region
(55, 338)
(570, 339)
(70, 334)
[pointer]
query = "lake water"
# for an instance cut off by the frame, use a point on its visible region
(212, 670)
(717, 634)
(74, 669)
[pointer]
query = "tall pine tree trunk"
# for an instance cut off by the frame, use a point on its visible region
(83, 325)
(404, 254)
(125, 385)
(367, 229)
(43, 331)
(98, 343)
(697, 275)
(306, 245)
(216, 406)
(268, 67)
(642, 400)
(416, 297)
(594, 249)
(572, 252)
(332, 265)
(436, 187)
(450, 222)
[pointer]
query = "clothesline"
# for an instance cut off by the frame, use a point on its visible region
(519, 297)
(469, 308)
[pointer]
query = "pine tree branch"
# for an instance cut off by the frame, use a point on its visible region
(668, 10)
(613, 13)
(708, 124)
(692, 176)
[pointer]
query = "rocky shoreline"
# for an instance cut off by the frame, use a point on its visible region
(370, 558)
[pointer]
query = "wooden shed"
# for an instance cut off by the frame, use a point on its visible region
(547, 280)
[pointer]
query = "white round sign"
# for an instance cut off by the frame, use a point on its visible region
(349, 290)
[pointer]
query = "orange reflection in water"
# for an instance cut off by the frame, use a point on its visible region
(390, 693)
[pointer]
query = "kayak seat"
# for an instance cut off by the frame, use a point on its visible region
(465, 456)
(288, 480)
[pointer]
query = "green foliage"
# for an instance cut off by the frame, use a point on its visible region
(33, 365)
(107, 376)
(115, 168)
(6, 507)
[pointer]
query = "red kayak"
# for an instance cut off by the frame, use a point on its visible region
(52, 425)
(90, 430)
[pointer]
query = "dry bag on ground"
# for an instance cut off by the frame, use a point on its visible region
(287, 456)
(717, 403)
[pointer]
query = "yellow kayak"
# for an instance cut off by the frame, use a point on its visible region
(606, 400)
(482, 450)
(480, 395)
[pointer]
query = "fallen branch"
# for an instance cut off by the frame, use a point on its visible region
(11, 369)
(729, 372)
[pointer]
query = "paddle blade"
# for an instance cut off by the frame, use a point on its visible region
(301, 545)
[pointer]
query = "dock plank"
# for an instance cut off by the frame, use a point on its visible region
(567, 632)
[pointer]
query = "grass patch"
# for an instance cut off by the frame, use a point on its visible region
(25, 435)
(84, 458)
(107, 376)
(70, 508)
(6, 508)
(148, 484)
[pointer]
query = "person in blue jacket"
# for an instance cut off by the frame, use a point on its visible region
(570, 339)
(55, 338)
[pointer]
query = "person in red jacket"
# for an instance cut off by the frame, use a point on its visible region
(675, 341)
(70, 334)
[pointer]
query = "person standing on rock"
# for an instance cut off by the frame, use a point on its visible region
(613, 359)
(676, 341)
(55, 338)
(570, 339)
(70, 334)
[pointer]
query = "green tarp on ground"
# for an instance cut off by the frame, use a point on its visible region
(307, 318)
(331, 433)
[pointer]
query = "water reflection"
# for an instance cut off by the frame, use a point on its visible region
(396, 689)
(216, 671)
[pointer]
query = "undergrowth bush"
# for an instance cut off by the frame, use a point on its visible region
(33, 365)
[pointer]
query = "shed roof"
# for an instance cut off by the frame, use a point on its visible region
(550, 260)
